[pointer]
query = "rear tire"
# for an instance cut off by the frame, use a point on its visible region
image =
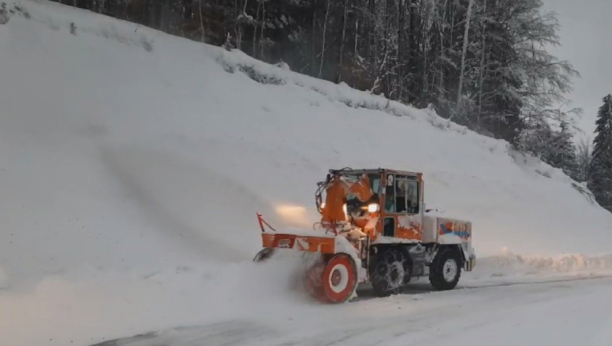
(390, 272)
(445, 270)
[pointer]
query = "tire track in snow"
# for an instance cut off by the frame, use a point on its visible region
(218, 334)
(430, 324)
(422, 322)
(424, 288)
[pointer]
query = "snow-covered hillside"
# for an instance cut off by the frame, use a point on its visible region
(132, 164)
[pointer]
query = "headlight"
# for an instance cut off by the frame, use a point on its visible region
(323, 205)
(344, 209)
(373, 208)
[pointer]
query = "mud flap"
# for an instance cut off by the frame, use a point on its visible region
(470, 264)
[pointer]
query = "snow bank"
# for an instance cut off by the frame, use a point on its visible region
(135, 162)
(88, 305)
(269, 74)
(513, 265)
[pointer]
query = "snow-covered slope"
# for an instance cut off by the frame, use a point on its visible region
(132, 164)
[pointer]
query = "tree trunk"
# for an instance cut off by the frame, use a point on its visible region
(452, 27)
(400, 34)
(482, 63)
(425, 36)
(464, 53)
(313, 54)
(356, 37)
(414, 57)
(371, 24)
(387, 47)
(342, 40)
(324, 35)
(255, 30)
(263, 26)
(442, 59)
(239, 29)
(201, 20)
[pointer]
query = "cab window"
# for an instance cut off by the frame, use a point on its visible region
(390, 194)
(412, 196)
(375, 183)
(401, 195)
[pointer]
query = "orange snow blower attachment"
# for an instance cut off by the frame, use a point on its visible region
(332, 277)
(349, 201)
(308, 241)
(339, 189)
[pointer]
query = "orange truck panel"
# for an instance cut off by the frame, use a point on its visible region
(408, 233)
(301, 243)
(406, 227)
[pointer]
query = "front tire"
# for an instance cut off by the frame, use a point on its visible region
(445, 270)
(339, 278)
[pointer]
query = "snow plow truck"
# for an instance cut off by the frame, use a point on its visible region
(374, 229)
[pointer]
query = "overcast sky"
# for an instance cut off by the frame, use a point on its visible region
(586, 39)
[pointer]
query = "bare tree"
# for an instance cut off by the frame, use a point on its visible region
(324, 36)
(343, 39)
(482, 60)
(201, 20)
(263, 26)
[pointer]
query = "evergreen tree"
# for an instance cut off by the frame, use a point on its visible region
(554, 147)
(484, 64)
(583, 161)
(601, 162)
(563, 152)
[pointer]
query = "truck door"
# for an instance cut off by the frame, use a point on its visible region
(402, 207)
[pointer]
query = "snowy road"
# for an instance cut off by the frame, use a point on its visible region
(556, 312)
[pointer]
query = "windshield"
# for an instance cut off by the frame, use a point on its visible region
(374, 179)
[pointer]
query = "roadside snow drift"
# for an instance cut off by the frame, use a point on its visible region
(132, 164)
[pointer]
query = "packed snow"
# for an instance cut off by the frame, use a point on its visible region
(552, 313)
(132, 165)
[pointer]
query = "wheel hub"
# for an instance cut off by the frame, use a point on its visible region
(335, 278)
(338, 278)
(449, 271)
(396, 274)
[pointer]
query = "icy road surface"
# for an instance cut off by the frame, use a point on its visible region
(554, 312)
